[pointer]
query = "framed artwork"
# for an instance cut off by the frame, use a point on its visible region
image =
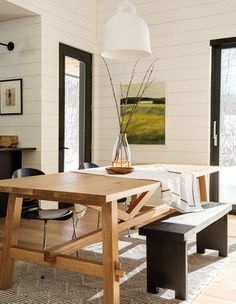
(11, 97)
(148, 121)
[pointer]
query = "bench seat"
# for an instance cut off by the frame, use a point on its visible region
(167, 239)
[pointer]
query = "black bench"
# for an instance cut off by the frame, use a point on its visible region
(166, 241)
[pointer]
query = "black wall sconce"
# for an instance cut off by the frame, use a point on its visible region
(9, 45)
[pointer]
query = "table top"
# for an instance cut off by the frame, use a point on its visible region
(197, 170)
(76, 187)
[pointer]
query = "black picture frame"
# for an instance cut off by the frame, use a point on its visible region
(11, 99)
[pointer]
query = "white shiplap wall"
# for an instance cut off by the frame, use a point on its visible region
(24, 62)
(180, 34)
(70, 22)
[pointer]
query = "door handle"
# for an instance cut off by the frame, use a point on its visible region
(215, 136)
(63, 148)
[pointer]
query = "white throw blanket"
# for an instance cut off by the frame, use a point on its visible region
(178, 190)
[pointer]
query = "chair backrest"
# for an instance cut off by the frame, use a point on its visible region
(87, 165)
(23, 172)
(29, 204)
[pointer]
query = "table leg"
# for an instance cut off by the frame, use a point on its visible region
(110, 252)
(133, 199)
(11, 233)
(203, 189)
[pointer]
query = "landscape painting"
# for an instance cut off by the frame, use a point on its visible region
(147, 125)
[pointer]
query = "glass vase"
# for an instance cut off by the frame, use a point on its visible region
(121, 156)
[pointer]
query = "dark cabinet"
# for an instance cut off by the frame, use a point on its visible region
(10, 160)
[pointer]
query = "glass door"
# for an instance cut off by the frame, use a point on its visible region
(74, 107)
(223, 147)
(74, 89)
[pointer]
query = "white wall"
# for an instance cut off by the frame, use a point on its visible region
(70, 22)
(24, 62)
(180, 34)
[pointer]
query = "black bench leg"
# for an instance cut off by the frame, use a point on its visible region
(214, 237)
(167, 266)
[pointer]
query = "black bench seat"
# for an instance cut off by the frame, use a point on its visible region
(167, 238)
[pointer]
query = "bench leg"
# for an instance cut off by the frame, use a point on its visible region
(214, 237)
(167, 266)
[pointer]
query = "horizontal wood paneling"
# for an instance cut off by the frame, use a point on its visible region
(72, 23)
(180, 36)
(24, 62)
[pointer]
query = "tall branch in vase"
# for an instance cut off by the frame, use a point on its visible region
(124, 118)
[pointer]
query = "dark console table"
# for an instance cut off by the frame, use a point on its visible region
(10, 160)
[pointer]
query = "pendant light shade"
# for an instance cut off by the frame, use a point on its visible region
(126, 35)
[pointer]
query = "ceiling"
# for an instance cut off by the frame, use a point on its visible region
(10, 11)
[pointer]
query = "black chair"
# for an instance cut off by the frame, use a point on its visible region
(121, 200)
(31, 208)
(87, 166)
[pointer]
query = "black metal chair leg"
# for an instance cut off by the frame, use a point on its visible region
(126, 208)
(44, 244)
(74, 232)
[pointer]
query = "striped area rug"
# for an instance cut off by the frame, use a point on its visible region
(62, 287)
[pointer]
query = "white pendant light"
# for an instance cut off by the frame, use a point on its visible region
(126, 35)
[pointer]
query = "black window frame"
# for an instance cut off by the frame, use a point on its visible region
(217, 46)
(64, 51)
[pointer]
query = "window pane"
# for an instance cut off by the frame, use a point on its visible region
(72, 97)
(227, 180)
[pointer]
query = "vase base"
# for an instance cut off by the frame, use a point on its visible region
(119, 170)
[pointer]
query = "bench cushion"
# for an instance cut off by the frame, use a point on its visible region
(180, 227)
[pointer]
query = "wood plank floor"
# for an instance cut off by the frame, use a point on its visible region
(221, 290)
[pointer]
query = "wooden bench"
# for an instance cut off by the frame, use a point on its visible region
(167, 265)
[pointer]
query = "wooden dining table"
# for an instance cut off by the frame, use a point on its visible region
(100, 192)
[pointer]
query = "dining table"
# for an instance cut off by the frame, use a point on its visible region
(97, 191)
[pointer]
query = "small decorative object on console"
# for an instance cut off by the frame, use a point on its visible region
(8, 141)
